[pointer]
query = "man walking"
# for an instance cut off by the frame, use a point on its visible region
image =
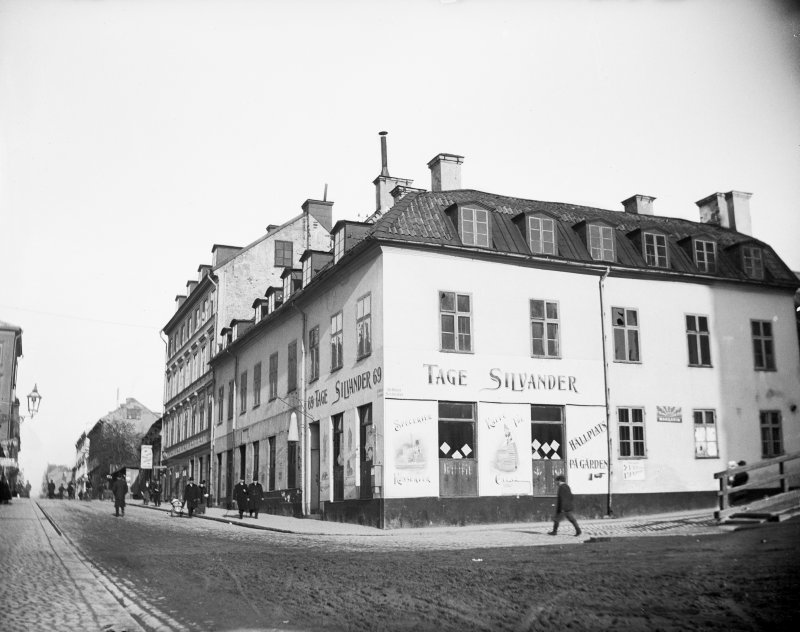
(119, 487)
(191, 496)
(155, 492)
(564, 507)
(255, 494)
(240, 496)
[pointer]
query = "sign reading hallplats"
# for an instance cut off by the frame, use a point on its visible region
(671, 414)
(147, 457)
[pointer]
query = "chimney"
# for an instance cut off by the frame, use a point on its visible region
(384, 183)
(639, 205)
(401, 190)
(220, 254)
(179, 299)
(320, 211)
(190, 285)
(445, 172)
(729, 210)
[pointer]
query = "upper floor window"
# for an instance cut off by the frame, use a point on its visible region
(631, 432)
(474, 227)
(313, 353)
(243, 392)
(455, 317)
(698, 339)
(364, 325)
(306, 271)
(544, 329)
(291, 367)
(705, 255)
(771, 433)
(542, 235)
(338, 245)
(284, 256)
(336, 341)
(273, 376)
(763, 345)
(230, 399)
(753, 262)
(655, 250)
(625, 323)
(257, 384)
(220, 400)
(705, 434)
(601, 242)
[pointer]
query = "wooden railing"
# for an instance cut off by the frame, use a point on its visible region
(726, 489)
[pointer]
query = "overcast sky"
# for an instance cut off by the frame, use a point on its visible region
(134, 135)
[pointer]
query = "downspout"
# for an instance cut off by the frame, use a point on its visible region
(306, 442)
(609, 510)
(163, 407)
(212, 427)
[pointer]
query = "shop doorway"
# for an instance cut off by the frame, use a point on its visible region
(313, 501)
(229, 476)
(547, 448)
(338, 457)
(366, 449)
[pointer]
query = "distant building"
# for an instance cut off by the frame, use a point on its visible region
(10, 352)
(456, 352)
(224, 291)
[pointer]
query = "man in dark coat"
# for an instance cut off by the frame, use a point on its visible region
(564, 506)
(51, 489)
(155, 492)
(255, 494)
(191, 496)
(240, 496)
(119, 487)
(5, 490)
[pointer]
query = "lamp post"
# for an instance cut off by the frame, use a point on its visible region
(34, 399)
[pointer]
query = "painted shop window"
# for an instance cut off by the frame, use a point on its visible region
(337, 337)
(257, 384)
(705, 255)
(474, 228)
(601, 242)
(544, 329)
(313, 353)
(753, 262)
(291, 367)
(364, 325)
(338, 457)
(698, 340)
(631, 432)
(625, 323)
(458, 471)
(283, 254)
(366, 448)
(763, 345)
(230, 399)
(273, 376)
(291, 465)
(655, 250)
(455, 318)
(243, 392)
(541, 235)
(220, 400)
(771, 433)
(705, 434)
(271, 449)
(547, 448)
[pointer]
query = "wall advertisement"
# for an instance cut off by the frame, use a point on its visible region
(411, 459)
(504, 455)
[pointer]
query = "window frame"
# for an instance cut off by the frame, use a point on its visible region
(707, 266)
(280, 253)
(221, 404)
(763, 345)
(774, 421)
(694, 340)
(471, 226)
(364, 323)
(273, 376)
(631, 440)
(653, 259)
(230, 399)
(337, 341)
(456, 314)
(257, 384)
(752, 265)
(591, 240)
(313, 353)
(628, 329)
(338, 245)
(703, 414)
(243, 392)
(546, 322)
(291, 367)
(537, 247)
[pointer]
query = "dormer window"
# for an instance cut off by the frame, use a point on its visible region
(306, 271)
(542, 235)
(753, 262)
(600, 239)
(654, 246)
(338, 245)
(474, 226)
(705, 255)
(287, 285)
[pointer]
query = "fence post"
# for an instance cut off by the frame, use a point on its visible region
(723, 487)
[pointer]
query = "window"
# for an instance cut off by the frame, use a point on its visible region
(339, 456)
(631, 432)
(601, 242)
(655, 250)
(763, 345)
(336, 341)
(705, 434)
(273, 376)
(284, 254)
(753, 262)
(364, 325)
(366, 449)
(230, 399)
(542, 235)
(257, 384)
(291, 465)
(255, 460)
(705, 255)
(306, 271)
(771, 435)
(205, 309)
(456, 321)
(458, 474)
(193, 423)
(291, 367)
(338, 245)
(243, 392)
(474, 227)
(547, 448)
(626, 334)
(210, 405)
(698, 340)
(201, 413)
(220, 400)
(313, 353)
(544, 329)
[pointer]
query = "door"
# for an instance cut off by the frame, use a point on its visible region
(338, 457)
(366, 448)
(547, 448)
(229, 476)
(242, 461)
(313, 501)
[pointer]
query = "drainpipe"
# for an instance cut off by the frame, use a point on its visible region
(305, 485)
(212, 426)
(609, 510)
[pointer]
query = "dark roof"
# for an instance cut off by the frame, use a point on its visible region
(422, 218)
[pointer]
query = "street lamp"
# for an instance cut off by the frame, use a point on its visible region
(33, 401)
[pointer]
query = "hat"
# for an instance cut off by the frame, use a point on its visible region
(255, 479)
(561, 478)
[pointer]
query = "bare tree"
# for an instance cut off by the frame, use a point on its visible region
(116, 445)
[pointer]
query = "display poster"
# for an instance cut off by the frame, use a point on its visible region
(348, 455)
(504, 434)
(670, 414)
(147, 457)
(325, 466)
(587, 449)
(411, 434)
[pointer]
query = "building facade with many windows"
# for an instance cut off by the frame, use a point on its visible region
(453, 355)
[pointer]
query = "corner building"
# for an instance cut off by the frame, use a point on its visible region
(456, 352)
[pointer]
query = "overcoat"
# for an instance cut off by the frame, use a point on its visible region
(240, 495)
(191, 495)
(255, 492)
(119, 488)
(565, 502)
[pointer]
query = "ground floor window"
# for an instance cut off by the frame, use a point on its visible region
(631, 432)
(271, 448)
(255, 460)
(458, 471)
(291, 464)
(547, 448)
(705, 434)
(771, 434)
